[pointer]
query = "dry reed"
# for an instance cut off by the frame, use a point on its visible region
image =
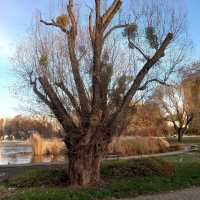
(41, 146)
(124, 146)
(137, 146)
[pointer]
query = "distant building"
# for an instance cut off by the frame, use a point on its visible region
(191, 89)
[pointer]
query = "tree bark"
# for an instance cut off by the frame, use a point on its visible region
(84, 167)
(180, 136)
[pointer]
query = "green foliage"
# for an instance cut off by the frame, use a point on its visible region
(152, 37)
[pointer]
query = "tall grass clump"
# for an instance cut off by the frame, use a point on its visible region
(55, 146)
(41, 146)
(126, 146)
(38, 145)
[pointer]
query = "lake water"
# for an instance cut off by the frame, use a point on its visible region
(19, 153)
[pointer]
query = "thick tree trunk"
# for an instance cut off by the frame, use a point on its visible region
(84, 167)
(180, 136)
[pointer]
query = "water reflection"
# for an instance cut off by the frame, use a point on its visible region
(19, 153)
(48, 158)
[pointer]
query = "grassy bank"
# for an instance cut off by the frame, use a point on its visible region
(186, 139)
(121, 179)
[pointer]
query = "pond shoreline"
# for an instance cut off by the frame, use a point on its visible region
(9, 171)
(20, 153)
(185, 150)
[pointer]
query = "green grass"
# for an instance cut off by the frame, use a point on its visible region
(182, 159)
(39, 178)
(186, 140)
(111, 170)
(186, 174)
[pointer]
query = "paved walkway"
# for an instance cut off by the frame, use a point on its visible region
(187, 194)
(172, 153)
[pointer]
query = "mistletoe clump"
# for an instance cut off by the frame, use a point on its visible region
(82, 49)
(119, 89)
(152, 37)
(131, 31)
(44, 61)
(62, 21)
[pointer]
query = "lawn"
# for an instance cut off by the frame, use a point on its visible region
(186, 139)
(121, 179)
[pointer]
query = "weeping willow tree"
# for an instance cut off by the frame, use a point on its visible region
(88, 75)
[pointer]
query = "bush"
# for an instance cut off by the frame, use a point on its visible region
(176, 147)
(138, 168)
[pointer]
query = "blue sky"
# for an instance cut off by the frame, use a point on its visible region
(194, 24)
(15, 17)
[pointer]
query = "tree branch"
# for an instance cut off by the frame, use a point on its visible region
(91, 29)
(132, 45)
(143, 87)
(53, 23)
(71, 35)
(56, 106)
(73, 31)
(74, 61)
(101, 24)
(149, 64)
(139, 78)
(37, 92)
(110, 13)
(98, 10)
(70, 96)
(113, 29)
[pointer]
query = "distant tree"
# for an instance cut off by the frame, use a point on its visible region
(171, 101)
(147, 121)
(23, 127)
(87, 76)
(191, 68)
(1, 127)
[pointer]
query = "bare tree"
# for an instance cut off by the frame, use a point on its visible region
(22, 127)
(87, 76)
(148, 120)
(171, 101)
(1, 127)
(190, 69)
